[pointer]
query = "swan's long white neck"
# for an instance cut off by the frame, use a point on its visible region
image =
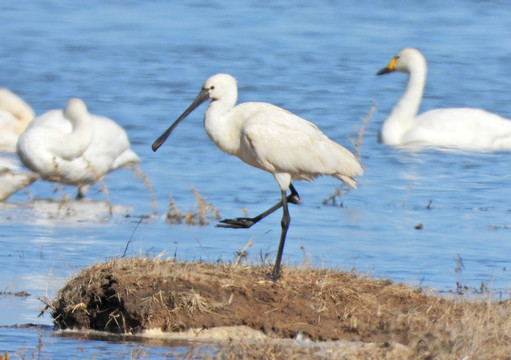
(404, 112)
(13, 104)
(81, 135)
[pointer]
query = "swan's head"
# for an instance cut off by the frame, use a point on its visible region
(219, 87)
(407, 60)
(75, 109)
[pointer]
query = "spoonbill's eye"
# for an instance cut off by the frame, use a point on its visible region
(212, 87)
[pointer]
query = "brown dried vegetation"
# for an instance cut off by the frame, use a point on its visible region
(201, 216)
(385, 319)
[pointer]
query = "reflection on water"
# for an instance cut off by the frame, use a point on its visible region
(45, 343)
(319, 61)
(49, 211)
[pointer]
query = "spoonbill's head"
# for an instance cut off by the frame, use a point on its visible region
(220, 87)
(405, 61)
(75, 108)
(217, 87)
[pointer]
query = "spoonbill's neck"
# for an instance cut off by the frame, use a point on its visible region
(222, 123)
(404, 112)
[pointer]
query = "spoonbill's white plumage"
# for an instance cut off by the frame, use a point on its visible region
(74, 147)
(462, 128)
(12, 178)
(272, 139)
(15, 115)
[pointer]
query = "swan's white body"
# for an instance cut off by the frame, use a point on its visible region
(12, 178)
(461, 128)
(15, 115)
(74, 147)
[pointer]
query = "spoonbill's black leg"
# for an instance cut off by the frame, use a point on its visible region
(286, 220)
(245, 222)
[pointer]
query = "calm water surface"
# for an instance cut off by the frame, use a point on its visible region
(142, 62)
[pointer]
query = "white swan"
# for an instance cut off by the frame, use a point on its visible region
(12, 178)
(462, 128)
(74, 147)
(15, 115)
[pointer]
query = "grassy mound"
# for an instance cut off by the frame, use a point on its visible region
(132, 295)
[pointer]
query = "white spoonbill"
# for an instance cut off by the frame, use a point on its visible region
(12, 178)
(271, 139)
(462, 128)
(74, 147)
(15, 115)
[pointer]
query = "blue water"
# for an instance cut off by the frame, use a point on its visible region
(142, 63)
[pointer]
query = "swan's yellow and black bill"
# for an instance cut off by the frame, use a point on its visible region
(389, 68)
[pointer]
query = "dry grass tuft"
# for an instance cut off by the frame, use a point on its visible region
(200, 216)
(104, 190)
(344, 189)
(174, 215)
(145, 180)
(373, 319)
(361, 131)
(204, 209)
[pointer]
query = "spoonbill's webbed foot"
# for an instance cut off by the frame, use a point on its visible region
(238, 223)
(272, 276)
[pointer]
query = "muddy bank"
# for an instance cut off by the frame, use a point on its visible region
(132, 295)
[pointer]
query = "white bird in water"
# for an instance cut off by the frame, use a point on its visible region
(15, 115)
(271, 139)
(74, 147)
(461, 128)
(12, 178)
